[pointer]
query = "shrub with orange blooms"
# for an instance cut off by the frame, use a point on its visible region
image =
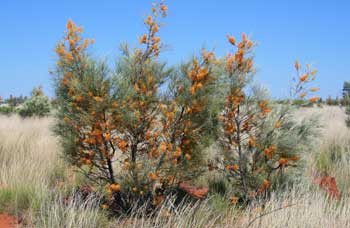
(260, 141)
(134, 144)
(139, 132)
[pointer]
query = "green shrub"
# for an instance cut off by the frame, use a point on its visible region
(38, 105)
(6, 110)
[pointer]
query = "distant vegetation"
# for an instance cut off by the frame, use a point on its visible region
(37, 105)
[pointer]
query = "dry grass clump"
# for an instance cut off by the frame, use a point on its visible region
(297, 208)
(28, 159)
(31, 170)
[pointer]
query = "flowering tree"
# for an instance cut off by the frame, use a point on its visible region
(139, 132)
(117, 129)
(259, 140)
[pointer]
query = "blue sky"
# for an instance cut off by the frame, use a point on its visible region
(315, 32)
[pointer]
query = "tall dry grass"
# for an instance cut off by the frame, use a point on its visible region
(31, 171)
(31, 167)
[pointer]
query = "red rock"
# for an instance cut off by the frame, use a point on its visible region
(328, 184)
(199, 193)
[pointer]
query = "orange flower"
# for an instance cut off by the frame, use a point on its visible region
(107, 136)
(314, 99)
(163, 146)
(69, 56)
(60, 49)
(156, 39)
(231, 39)
(193, 90)
(186, 141)
(265, 185)
(122, 145)
(177, 152)
(283, 161)
(303, 78)
(96, 132)
(87, 162)
(234, 167)
(158, 200)
(170, 116)
(263, 104)
(234, 199)
(297, 65)
(199, 85)
(313, 72)
(207, 55)
(148, 21)
(80, 29)
(302, 95)
(153, 176)
(202, 73)
(164, 8)
(188, 156)
(251, 142)
(115, 104)
(277, 124)
(269, 151)
(79, 98)
(244, 37)
(143, 39)
(266, 111)
(314, 89)
(294, 158)
(115, 187)
(104, 206)
(98, 99)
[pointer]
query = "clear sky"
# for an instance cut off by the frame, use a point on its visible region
(315, 32)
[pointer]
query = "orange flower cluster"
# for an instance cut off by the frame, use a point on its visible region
(151, 40)
(270, 151)
(285, 160)
(234, 167)
(263, 105)
(76, 46)
(304, 78)
(265, 185)
(238, 61)
(199, 76)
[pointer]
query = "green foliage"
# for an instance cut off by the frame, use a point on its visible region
(37, 105)
(6, 110)
(14, 101)
(347, 120)
(218, 185)
(346, 88)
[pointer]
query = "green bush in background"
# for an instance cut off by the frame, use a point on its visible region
(37, 105)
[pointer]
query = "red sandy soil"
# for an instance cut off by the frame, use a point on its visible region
(7, 221)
